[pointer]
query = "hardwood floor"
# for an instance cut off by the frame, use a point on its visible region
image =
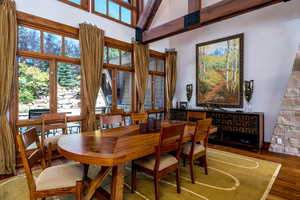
(287, 184)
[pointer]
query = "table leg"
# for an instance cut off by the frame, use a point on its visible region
(96, 182)
(117, 182)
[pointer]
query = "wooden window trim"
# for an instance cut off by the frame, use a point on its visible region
(84, 4)
(123, 4)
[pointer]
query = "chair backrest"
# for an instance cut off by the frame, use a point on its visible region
(117, 111)
(110, 120)
(137, 117)
(30, 158)
(54, 121)
(170, 140)
(194, 116)
(201, 132)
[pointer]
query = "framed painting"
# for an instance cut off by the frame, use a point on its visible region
(219, 72)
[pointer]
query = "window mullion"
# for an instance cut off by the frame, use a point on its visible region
(53, 86)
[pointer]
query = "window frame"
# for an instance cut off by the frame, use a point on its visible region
(46, 25)
(53, 60)
(132, 7)
(84, 4)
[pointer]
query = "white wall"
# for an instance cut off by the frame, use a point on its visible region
(59, 12)
(272, 36)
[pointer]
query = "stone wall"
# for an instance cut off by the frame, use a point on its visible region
(286, 136)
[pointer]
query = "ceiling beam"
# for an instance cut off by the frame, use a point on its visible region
(211, 14)
(148, 14)
(194, 5)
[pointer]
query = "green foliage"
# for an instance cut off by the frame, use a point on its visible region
(33, 82)
(68, 76)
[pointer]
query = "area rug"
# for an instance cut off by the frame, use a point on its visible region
(230, 177)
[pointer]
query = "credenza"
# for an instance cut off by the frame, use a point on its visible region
(238, 129)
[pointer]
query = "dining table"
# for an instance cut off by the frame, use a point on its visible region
(111, 149)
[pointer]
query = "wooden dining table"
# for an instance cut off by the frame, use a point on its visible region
(111, 149)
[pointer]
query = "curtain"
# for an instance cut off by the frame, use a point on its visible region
(141, 63)
(92, 48)
(170, 77)
(8, 44)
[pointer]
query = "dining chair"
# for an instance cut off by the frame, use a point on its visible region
(52, 121)
(137, 117)
(52, 181)
(197, 148)
(109, 120)
(194, 116)
(161, 162)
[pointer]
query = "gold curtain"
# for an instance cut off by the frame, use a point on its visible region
(141, 63)
(92, 48)
(170, 77)
(8, 44)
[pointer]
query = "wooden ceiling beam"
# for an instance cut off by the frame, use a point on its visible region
(211, 14)
(194, 5)
(148, 14)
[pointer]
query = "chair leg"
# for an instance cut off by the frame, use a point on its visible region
(133, 178)
(79, 188)
(192, 170)
(184, 162)
(49, 149)
(156, 187)
(178, 180)
(205, 164)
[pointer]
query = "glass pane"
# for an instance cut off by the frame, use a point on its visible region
(104, 100)
(125, 15)
(159, 92)
(114, 10)
(127, 1)
(152, 64)
(52, 44)
(160, 65)
(72, 48)
(29, 39)
(105, 55)
(75, 1)
(68, 88)
(152, 116)
(148, 100)
(126, 58)
(114, 56)
(33, 86)
(74, 127)
(124, 86)
(101, 6)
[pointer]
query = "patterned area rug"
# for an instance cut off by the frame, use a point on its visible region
(230, 176)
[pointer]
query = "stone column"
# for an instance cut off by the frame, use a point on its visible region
(286, 136)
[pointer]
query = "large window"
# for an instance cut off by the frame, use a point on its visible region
(83, 4)
(117, 10)
(117, 82)
(49, 73)
(155, 94)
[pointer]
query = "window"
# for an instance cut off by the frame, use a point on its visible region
(83, 4)
(118, 10)
(50, 80)
(33, 85)
(117, 81)
(155, 94)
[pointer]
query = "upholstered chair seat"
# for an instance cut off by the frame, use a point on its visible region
(60, 176)
(186, 148)
(53, 140)
(148, 162)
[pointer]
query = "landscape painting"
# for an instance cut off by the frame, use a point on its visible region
(220, 72)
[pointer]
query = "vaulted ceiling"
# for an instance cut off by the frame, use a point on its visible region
(197, 17)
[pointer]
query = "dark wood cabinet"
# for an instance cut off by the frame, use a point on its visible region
(239, 129)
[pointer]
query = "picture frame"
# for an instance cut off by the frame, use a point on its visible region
(220, 72)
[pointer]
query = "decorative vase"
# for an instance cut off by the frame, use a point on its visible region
(248, 90)
(189, 93)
